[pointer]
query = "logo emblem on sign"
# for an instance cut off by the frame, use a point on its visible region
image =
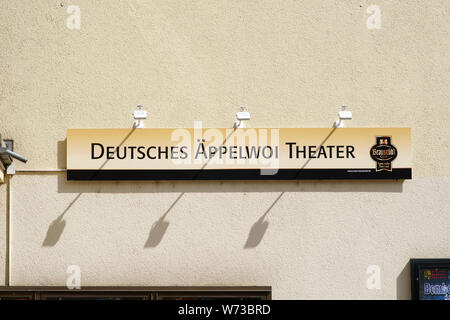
(383, 153)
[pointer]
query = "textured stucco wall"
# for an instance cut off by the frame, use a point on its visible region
(292, 63)
(320, 237)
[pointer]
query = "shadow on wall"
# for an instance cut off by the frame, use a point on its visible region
(62, 154)
(259, 228)
(404, 283)
(213, 186)
(159, 228)
(56, 228)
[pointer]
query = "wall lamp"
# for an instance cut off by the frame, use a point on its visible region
(241, 116)
(139, 116)
(343, 115)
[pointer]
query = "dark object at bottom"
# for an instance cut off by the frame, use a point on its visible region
(240, 174)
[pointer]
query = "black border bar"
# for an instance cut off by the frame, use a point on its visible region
(241, 174)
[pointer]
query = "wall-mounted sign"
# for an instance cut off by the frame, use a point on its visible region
(238, 154)
(430, 279)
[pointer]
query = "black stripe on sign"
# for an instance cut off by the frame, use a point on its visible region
(240, 174)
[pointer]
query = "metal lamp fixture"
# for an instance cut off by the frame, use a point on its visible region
(139, 116)
(343, 115)
(241, 116)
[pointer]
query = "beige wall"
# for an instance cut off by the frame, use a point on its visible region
(292, 63)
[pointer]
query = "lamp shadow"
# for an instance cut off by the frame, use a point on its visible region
(54, 232)
(157, 232)
(56, 228)
(159, 228)
(256, 233)
(259, 228)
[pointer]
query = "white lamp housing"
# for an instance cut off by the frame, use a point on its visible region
(343, 115)
(241, 116)
(139, 115)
